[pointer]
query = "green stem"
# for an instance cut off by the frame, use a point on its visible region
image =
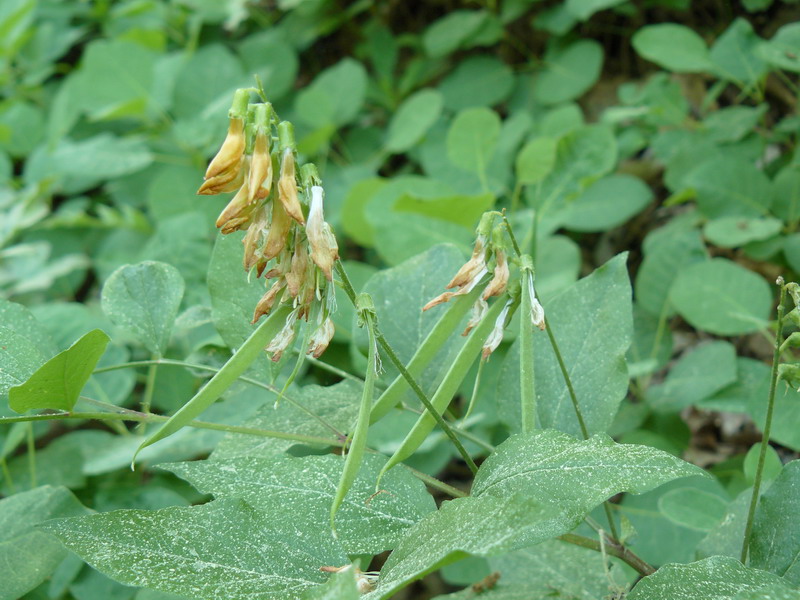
(578, 413)
(31, 455)
(526, 366)
(390, 353)
(249, 380)
(614, 549)
(7, 475)
(748, 530)
(437, 484)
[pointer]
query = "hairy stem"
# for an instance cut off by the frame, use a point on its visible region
(614, 549)
(773, 382)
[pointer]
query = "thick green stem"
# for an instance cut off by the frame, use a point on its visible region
(773, 382)
(527, 381)
(390, 353)
(614, 549)
(31, 455)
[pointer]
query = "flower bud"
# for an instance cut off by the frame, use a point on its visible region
(264, 306)
(324, 249)
(260, 176)
(285, 337)
(278, 231)
(287, 187)
(321, 338)
(228, 159)
(499, 280)
(496, 335)
(537, 311)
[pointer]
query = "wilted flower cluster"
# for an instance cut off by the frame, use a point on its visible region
(281, 209)
(489, 257)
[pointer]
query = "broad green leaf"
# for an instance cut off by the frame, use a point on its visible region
(461, 210)
(583, 9)
(786, 186)
(674, 47)
(401, 236)
(732, 123)
(698, 374)
(354, 219)
(666, 252)
(726, 538)
(366, 523)
(486, 526)
(693, 508)
(715, 578)
(25, 345)
(477, 81)
(413, 119)
(776, 592)
(340, 586)
(569, 72)
(29, 555)
(233, 295)
(772, 463)
(535, 160)
(783, 49)
(775, 545)
(732, 232)
(575, 476)
(608, 203)
(451, 31)
(205, 81)
(721, 297)
(278, 74)
(734, 54)
(336, 404)
(592, 322)
(335, 96)
(25, 123)
(58, 383)
(730, 186)
(215, 551)
(144, 299)
(472, 137)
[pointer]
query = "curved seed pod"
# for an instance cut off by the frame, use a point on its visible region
(287, 187)
(278, 231)
(231, 150)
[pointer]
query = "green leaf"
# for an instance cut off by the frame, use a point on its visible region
(58, 383)
(721, 297)
(217, 551)
(734, 54)
(698, 374)
(775, 545)
(28, 555)
(278, 74)
(340, 586)
(451, 31)
(673, 47)
(592, 322)
(477, 81)
(666, 253)
(569, 72)
(693, 508)
(366, 523)
(486, 526)
(535, 160)
(715, 578)
(583, 9)
(556, 469)
(608, 203)
(415, 116)
(336, 404)
(732, 232)
(772, 463)
(472, 137)
(787, 194)
(204, 83)
(461, 210)
(335, 96)
(25, 345)
(144, 299)
(783, 49)
(730, 186)
(733, 123)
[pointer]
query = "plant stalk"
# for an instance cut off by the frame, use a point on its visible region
(614, 549)
(773, 382)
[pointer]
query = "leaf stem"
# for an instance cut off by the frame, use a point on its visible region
(613, 548)
(31, 454)
(389, 351)
(776, 357)
(527, 377)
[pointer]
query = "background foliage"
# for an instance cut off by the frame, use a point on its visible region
(666, 129)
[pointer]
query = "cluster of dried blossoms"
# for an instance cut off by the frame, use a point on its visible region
(489, 257)
(281, 209)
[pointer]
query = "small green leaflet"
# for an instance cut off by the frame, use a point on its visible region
(58, 383)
